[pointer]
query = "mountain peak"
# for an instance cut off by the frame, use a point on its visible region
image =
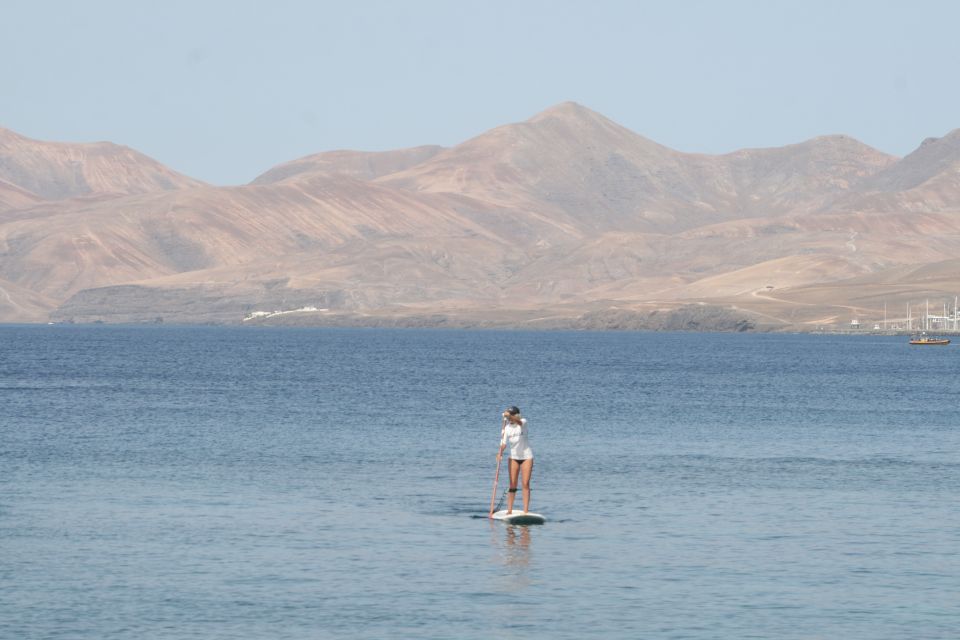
(934, 157)
(844, 145)
(948, 143)
(566, 109)
(59, 170)
(569, 112)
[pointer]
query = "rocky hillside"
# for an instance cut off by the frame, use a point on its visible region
(56, 171)
(566, 219)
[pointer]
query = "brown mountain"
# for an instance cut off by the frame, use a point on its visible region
(60, 248)
(56, 170)
(14, 197)
(577, 166)
(18, 304)
(567, 219)
(926, 180)
(363, 165)
(931, 160)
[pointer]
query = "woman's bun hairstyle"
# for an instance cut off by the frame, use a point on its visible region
(514, 411)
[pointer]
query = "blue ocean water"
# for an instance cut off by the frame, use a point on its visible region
(164, 482)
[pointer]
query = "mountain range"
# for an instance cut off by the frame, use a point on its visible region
(565, 220)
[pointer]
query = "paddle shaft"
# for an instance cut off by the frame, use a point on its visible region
(496, 477)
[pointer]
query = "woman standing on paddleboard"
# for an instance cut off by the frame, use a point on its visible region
(521, 455)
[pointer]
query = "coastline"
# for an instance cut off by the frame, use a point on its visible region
(448, 323)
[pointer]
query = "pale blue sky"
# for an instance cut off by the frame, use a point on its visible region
(223, 90)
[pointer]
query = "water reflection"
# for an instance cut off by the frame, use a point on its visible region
(511, 544)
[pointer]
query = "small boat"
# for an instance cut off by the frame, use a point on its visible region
(925, 339)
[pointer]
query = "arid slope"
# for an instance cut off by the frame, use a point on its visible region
(562, 218)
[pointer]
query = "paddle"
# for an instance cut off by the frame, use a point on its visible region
(496, 478)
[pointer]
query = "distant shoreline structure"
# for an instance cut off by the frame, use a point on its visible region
(415, 323)
(264, 315)
(685, 318)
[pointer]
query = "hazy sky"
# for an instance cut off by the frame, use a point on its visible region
(222, 91)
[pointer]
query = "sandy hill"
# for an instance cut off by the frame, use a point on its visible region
(56, 170)
(15, 197)
(931, 160)
(926, 180)
(574, 164)
(364, 165)
(566, 219)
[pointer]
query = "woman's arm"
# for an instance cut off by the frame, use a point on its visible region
(503, 436)
(515, 419)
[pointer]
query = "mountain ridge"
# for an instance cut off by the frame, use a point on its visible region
(563, 216)
(60, 170)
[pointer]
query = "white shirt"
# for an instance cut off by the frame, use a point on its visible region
(515, 436)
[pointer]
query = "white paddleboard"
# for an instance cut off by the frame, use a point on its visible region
(519, 517)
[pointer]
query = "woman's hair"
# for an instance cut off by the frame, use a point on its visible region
(514, 411)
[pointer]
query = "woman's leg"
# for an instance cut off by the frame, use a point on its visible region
(514, 474)
(527, 468)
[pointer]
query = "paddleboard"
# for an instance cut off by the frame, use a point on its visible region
(519, 517)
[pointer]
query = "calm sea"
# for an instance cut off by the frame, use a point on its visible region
(284, 483)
